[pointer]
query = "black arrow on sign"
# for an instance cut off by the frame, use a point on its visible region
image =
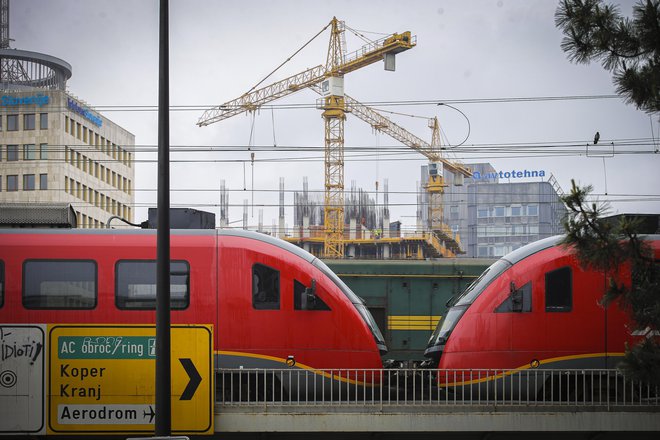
(195, 379)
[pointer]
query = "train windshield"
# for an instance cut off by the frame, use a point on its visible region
(473, 291)
(357, 302)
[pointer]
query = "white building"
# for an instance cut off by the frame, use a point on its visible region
(56, 148)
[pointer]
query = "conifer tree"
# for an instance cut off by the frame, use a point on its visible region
(603, 245)
(628, 47)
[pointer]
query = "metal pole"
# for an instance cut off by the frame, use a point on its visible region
(163, 423)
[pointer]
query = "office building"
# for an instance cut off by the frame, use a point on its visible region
(55, 148)
(496, 212)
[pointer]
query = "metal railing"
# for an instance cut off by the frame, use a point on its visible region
(399, 387)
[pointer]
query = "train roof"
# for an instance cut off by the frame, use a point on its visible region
(545, 243)
(252, 235)
(532, 248)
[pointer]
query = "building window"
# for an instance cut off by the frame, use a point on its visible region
(43, 121)
(498, 251)
(59, 284)
(29, 121)
(29, 152)
(482, 212)
(265, 288)
(12, 153)
(516, 211)
(43, 181)
(498, 211)
(136, 284)
(12, 122)
(12, 182)
(532, 210)
(453, 212)
(28, 182)
(558, 290)
(43, 151)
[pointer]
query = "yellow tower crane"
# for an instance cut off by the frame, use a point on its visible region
(437, 164)
(329, 78)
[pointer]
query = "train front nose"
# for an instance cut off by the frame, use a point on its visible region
(375, 331)
(438, 340)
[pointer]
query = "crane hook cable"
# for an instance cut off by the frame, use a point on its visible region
(289, 59)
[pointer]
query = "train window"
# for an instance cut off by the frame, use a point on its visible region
(306, 298)
(2, 283)
(265, 288)
(136, 284)
(519, 300)
(559, 290)
(59, 284)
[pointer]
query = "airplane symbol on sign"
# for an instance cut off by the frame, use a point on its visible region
(151, 413)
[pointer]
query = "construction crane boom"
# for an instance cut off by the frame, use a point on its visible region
(252, 101)
(368, 54)
(387, 126)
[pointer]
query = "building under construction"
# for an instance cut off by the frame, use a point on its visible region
(368, 231)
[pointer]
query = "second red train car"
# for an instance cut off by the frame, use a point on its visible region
(534, 308)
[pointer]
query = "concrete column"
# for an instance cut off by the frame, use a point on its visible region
(305, 230)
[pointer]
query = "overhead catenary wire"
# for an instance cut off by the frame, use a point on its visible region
(392, 103)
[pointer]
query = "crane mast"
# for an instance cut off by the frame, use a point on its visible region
(334, 115)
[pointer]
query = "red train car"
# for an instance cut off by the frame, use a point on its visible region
(534, 308)
(269, 302)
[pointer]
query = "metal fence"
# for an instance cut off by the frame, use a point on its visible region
(397, 387)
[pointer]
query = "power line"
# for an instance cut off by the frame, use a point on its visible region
(429, 102)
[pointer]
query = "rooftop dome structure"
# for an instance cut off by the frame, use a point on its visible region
(25, 70)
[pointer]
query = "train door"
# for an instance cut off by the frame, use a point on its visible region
(521, 308)
(575, 320)
(251, 300)
(264, 316)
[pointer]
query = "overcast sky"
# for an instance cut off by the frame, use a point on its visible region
(474, 50)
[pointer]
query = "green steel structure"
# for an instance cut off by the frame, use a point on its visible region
(407, 298)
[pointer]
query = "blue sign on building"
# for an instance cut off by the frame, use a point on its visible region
(513, 174)
(11, 101)
(84, 112)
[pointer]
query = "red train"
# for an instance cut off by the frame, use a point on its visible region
(534, 308)
(269, 302)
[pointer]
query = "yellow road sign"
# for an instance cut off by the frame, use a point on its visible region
(102, 379)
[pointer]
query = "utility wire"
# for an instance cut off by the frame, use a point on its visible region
(429, 102)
